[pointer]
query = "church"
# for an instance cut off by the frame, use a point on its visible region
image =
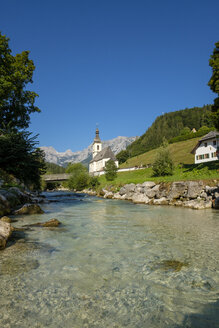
(100, 156)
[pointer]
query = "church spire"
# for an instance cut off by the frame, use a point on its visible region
(97, 144)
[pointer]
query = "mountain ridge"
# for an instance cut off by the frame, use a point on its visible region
(63, 158)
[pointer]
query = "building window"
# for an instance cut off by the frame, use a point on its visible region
(206, 144)
(197, 157)
(214, 142)
(213, 154)
(206, 156)
(98, 147)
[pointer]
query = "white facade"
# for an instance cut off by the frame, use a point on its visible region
(97, 147)
(97, 167)
(100, 156)
(207, 150)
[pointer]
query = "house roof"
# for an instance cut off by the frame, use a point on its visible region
(210, 135)
(105, 153)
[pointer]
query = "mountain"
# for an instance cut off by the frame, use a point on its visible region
(169, 126)
(84, 156)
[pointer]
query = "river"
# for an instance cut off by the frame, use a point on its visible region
(112, 264)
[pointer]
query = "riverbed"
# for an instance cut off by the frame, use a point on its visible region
(112, 264)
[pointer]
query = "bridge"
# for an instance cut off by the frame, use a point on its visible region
(56, 177)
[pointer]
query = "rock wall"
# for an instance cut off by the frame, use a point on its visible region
(191, 194)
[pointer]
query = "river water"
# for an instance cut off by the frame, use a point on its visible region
(112, 264)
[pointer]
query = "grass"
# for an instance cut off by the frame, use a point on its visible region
(205, 171)
(180, 153)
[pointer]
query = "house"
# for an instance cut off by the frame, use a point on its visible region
(207, 149)
(100, 156)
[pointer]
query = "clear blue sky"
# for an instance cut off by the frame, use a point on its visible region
(119, 63)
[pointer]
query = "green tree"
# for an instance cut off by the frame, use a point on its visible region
(110, 170)
(16, 102)
(20, 157)
(163, 164)
(79, 178)
(122, 156)
(185, 131)
(214, 83)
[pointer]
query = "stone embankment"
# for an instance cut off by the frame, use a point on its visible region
(191, 194)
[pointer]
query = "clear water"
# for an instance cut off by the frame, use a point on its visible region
(112, 264)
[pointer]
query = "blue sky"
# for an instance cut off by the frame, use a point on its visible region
(118, 63)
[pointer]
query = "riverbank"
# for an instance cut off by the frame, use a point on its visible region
(190, 194)
(15, 201)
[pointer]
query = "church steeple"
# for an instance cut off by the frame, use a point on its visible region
(97, 144)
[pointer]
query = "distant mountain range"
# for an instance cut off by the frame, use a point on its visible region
(84, 156)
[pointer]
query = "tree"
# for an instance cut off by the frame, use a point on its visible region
(79, 178)
(214, 83)
(20, 157)
(16, 102)
(110, 170)
(185, 131)
(163, 164)
(122, 156)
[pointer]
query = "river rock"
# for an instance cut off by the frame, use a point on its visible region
(5, 219)
(51, 223)
(194, 189)
(198, 204)
(215, 203)
(140, 199)
(4, 205)
(178, 189)
(108, 194)
(150, 193)
(29, 209)
(148, 184)
(118, 196)
(161, 201)
(5, 233)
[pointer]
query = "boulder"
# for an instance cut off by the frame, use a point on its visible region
(129, 189)
(51, 223)
(29, 209)
(198, 204)
(5, 233)
(108, 194)
(148, 184)
(150, 193)
(178, 189)
(215, 203)
(4, 205)
(161, 201)
(2, 242)
(139, 198)
(162, 190)
(118, 196)
(5, 219)
(195, 188)
(48, 224)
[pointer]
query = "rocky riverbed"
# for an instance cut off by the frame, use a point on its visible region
(191, 194)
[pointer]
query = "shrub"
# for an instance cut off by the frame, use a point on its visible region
(110, 170)
(163, 164)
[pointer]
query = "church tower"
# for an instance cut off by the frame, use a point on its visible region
(97, 144)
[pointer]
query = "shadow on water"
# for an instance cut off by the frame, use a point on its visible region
(207, 319)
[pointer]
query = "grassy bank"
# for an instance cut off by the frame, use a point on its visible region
(180, 153)
(206, 171)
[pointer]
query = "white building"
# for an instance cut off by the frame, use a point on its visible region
(207, 149)
(100, 156)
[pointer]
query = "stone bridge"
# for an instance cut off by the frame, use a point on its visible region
(56, 177)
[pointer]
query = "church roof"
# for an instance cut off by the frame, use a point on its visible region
(97, 137)
(105, 153)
